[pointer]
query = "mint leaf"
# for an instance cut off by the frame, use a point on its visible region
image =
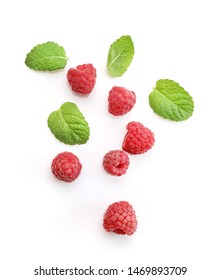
(120, 56)
(46, 57)
(69, 125)
(170, 101)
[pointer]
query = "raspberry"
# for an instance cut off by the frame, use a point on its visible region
(138, 139)
(120, 218)
(116, 162)
(66, 167)
(120, 101)
(82, 78)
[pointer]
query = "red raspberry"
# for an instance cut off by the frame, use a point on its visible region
(120, 218)
(116, 162)
(66, 167)
(120, 101)
(138, 139)
(82, 78)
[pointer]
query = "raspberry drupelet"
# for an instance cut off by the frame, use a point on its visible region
(82, 78)
(66, 167)
(120, 101)
(116, 162)
(139, 139)
(120, 218)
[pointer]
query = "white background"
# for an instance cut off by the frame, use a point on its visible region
(174, 187)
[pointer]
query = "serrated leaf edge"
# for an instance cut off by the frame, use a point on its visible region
(59, 57)
(113, 61)
(86, 125)
(171, 101)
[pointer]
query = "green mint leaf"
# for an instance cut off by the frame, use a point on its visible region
(120, 56)
(170, 101)
(69, 125)
(46, 57)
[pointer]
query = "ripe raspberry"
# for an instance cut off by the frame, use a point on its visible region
(120, 101)
(138, 139)
(120, 218)
(116, 162)
(82, 78)
(66, 167)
